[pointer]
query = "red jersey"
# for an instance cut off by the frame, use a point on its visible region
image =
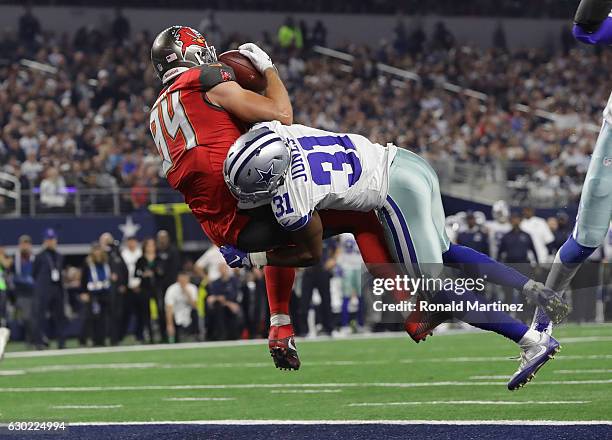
(192, 136)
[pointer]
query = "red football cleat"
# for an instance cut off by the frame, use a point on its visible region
(282, 347)
(421, 324)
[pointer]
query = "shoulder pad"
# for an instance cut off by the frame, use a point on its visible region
(215, 73)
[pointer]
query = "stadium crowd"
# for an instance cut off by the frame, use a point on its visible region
(73, 109)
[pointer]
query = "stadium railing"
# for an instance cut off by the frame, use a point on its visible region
(89, 201)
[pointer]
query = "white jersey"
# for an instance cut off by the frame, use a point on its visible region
(329, 171)
(496, 231)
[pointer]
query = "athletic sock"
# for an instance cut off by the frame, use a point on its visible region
(279, 285)
(565, 266)
(491, 320)
(479, 265)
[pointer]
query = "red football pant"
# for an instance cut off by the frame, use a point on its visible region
(370, 238)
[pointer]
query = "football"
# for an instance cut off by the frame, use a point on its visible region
(246, 74)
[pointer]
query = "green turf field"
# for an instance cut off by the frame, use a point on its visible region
(449, 377)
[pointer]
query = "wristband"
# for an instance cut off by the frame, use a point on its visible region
(258, 259)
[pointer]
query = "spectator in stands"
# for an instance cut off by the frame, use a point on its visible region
(474, 235)
(319, 34)
(442, 37)
(53, 193)
(148, 271)
(24, 284)
(517, 249)
(168, 268)
(400, 38)
(31, 167)
(318, 277)
(29, 27)
(539, 231)
(223, 311)
(119, 280)
(290, 35)
(120, 27)
(48, 292)
(97, 318)
(254, 304)
(181, 308)
(207, 266)
(499, 37)
(133, 301)
(517, 245)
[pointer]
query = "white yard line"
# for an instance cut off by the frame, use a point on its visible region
(499, 358)
(323, 391)
(339, 363)
(144, 365)
(86, 406)
(216, 344)
(475, 402)
(579, 340)
(354, 422)
(12, 372)
(287, 385)
(198, 399)
(585, 371)
(501, 376)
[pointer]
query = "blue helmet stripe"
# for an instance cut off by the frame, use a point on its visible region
(255, 150)
(246, 146)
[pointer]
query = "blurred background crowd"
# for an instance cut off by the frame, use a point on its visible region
(149, 291)
(516, 124)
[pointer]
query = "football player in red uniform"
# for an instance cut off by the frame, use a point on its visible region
(199, 113)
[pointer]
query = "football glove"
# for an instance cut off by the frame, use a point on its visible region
(235, 258)
(260, 59)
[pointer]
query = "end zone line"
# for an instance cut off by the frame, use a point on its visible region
(355, 422)
(474, 402)
(86, 406)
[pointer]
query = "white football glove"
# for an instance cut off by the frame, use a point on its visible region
(258, 57)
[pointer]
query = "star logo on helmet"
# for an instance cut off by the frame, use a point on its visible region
(266, 176)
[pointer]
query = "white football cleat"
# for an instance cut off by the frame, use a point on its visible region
(534, 355)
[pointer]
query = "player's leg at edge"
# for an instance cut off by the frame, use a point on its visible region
(279, 280)
(281, 342)
(592, 223)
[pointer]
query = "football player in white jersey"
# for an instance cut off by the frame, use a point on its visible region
(499, 226)
(592, 25)
(299, 170)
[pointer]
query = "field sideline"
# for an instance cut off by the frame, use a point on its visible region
(454, 377)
